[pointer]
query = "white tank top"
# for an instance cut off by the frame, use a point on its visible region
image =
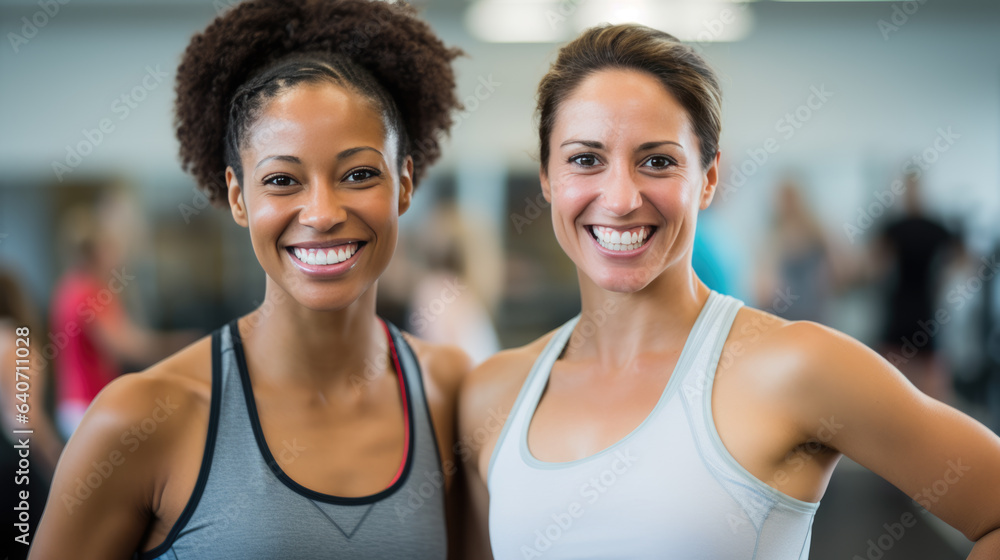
(668, 489)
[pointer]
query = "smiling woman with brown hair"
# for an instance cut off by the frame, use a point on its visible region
(668, 420)
(302, 429)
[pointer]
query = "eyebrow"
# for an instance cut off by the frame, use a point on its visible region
(342, 155)
(600, 146)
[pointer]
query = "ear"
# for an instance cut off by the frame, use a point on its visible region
(543, 179)
(711, 182)
(236, 204)
(405, 185)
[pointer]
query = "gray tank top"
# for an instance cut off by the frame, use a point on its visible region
(244, 507)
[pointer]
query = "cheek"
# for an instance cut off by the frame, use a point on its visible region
(380, 211)
(266, 219)
(571, 196)
(674, 200)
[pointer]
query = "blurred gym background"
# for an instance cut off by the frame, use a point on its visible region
(860, 188)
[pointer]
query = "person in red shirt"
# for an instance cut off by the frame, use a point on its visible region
(90, 328)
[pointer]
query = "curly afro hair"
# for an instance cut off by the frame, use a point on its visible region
(260, 48)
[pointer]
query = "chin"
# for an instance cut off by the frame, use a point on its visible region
(623, 282)
(325, 298)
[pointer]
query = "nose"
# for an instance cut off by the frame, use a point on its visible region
(621, 194)
(322, 209)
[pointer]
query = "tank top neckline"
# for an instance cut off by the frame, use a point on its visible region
(405, 465)
(557, 347)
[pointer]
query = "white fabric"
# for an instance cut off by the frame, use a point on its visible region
(669, 489)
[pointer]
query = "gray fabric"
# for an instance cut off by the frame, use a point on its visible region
(247, 512)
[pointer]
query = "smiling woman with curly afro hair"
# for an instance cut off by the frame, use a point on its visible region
(309, 427)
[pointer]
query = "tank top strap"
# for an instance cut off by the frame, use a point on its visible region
(406, 362)
(245, 506)
(757, 499)
(707, 341)
(531, 389)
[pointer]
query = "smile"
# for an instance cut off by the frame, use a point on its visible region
(325, 255)
(628, 239)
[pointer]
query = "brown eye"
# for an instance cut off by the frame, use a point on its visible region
(584, 160)
(658, 162)
(360, 175)
(280, 181)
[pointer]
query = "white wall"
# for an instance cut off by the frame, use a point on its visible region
(890, 96)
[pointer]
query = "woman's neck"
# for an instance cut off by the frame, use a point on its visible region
(318, 350)
(615, 327)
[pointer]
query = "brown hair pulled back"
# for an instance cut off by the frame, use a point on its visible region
(677, 66)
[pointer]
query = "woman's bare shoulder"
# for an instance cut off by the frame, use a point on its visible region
(504, 372)
(444, 366)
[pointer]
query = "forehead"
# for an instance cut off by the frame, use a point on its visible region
(316, 117)
(621, 104)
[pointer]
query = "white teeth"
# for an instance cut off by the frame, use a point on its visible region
(326, 256)
(620, 241)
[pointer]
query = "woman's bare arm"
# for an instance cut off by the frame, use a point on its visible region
(109, 480)
(943, 459)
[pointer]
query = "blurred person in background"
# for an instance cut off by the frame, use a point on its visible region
(912, 251)
(798, 274)
(16, 313)
(307, 427)
(449, 303)
(89, 324)
(665, 420)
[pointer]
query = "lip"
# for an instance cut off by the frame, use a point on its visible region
(323, 244)
(325, 270)
(620, 254)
